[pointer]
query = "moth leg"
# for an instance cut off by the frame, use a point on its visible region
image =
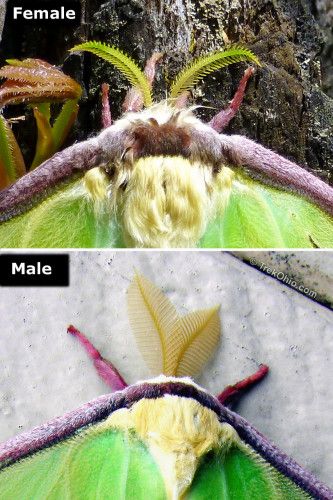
(106, 111)
(134, 100)
(181, 101)
(222, 119)
(105, 368)
(232, 392)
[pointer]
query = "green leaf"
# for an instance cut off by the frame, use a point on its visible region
(45, 108)
(123, 63)
(50, 139)
(64, 122)
(204, 65)
(11, 160)
(44, 145)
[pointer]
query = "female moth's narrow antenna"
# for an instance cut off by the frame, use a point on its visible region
(106, 111)
(232, 392)
(105, 368)
(222, 119)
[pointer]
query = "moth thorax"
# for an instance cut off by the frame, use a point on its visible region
(178, 432)
(166, 203)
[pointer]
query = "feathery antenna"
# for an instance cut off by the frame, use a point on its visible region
(170, 344)
(123, 63)
(204, 65)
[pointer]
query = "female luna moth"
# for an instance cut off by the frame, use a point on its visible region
(160, 177)
(164, 438)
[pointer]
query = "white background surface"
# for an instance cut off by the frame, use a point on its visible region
(44, 372)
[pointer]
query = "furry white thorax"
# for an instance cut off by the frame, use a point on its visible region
(162, 112)
(160, 379)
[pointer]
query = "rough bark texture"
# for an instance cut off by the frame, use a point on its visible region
(2, 15)
(287, 106)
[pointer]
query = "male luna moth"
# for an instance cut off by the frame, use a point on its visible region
(164, 438)
(160, 177)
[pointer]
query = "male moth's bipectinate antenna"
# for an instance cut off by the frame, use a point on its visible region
(175, 345)
(170, 344)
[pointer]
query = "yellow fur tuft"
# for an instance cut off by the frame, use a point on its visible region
(167, 202)
(178, 432)
(96, 184)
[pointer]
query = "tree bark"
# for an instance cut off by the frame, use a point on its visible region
(287, 107)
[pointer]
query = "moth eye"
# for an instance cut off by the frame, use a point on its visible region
(123, 186)
(127, 155)
(153, 121)
(110, 171)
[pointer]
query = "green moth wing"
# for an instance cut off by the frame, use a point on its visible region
(91, 464)
(110, 463)
(240, 474)
(261, 216)
(255, 216)
(165, 438)
(68, 218)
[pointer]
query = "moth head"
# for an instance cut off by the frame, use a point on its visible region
(164, 183)
(163, 188)
(160, 168)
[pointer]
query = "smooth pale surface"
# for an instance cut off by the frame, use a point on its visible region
(45, 372)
